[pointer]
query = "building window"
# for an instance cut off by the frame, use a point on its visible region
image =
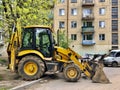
(88, 1)
(73, 1)
(61, 24)
(73, 37)
(114, 25)
(114, 12)
(101, 0)
(87, 24)
(101, 24)
(114, 2)
(88, 37)
(114, 38)
(101, 36)
(61, 12)
(102, 11)
(114, 47)
(73, 11)
(61, 1)
(87, 12)
(73, 24)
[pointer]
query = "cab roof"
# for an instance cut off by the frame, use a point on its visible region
(38, 26)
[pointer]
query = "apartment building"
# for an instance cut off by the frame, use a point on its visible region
(92, 25)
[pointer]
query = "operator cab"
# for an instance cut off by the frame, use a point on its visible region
(38, 38)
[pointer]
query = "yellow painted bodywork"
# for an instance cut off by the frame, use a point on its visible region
(30, 68)
(72, 73)
(26, 52)
(61, 55)
(68, 56)
(13, 46)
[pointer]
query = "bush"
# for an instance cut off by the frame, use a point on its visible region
(3, 62)
(0, 78)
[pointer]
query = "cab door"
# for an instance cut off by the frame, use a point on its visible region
(44, 41)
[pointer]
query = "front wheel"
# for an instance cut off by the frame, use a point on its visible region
(72, 73)
(31, 68)
(114, 64)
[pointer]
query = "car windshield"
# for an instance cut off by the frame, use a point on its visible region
(112, 54)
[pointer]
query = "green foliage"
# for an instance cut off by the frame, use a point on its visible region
(63, 39)
(3, 89)
(3, 62)
(29, 12)
(0, 78)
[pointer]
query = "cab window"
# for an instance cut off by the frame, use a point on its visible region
(43, 41)
(27, 38)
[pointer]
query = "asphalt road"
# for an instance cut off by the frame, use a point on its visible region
(57, 82)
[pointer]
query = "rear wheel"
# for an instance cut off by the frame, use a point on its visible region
(114, 64)
(72, 73)
(31, 67)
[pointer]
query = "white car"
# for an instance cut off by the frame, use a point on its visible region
(112, 59)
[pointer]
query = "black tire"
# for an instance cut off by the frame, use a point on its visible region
(77, 73)
(105, 65)
(114, 64)
(31, 68)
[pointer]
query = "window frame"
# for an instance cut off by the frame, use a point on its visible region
(114, 2)
(74, 37)
(102, 11)
(102, 37)
(73, 24)
(61, 12)
(101, 24)
(61, 24)
(115, 39)
(73, 1)
(88, 24)
(114, 25)
(87, 12)
(101, 0)
(88, 36)
(74, 11)
(114, 12)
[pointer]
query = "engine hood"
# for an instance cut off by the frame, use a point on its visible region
(108, 58)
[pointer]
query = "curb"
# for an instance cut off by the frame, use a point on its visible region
(27, 84)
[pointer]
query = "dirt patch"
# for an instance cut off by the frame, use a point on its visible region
(8, 79)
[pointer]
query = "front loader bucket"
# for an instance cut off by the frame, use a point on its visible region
(99, 76)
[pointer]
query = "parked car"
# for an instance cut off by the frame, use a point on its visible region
(112, 59)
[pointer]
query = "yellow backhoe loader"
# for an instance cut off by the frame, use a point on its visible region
(32, 52)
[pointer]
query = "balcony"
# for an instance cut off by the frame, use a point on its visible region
(88, 42)
(87, 3)
(87, 29)
(88, 17)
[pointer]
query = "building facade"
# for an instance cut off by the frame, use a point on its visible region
(92, 25)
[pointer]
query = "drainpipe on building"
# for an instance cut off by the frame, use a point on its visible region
(58, 37)
(67, 20)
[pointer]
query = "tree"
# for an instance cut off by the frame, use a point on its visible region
(27, 12)
(62, 39)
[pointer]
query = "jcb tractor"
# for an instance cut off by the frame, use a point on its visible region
(32, 53)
